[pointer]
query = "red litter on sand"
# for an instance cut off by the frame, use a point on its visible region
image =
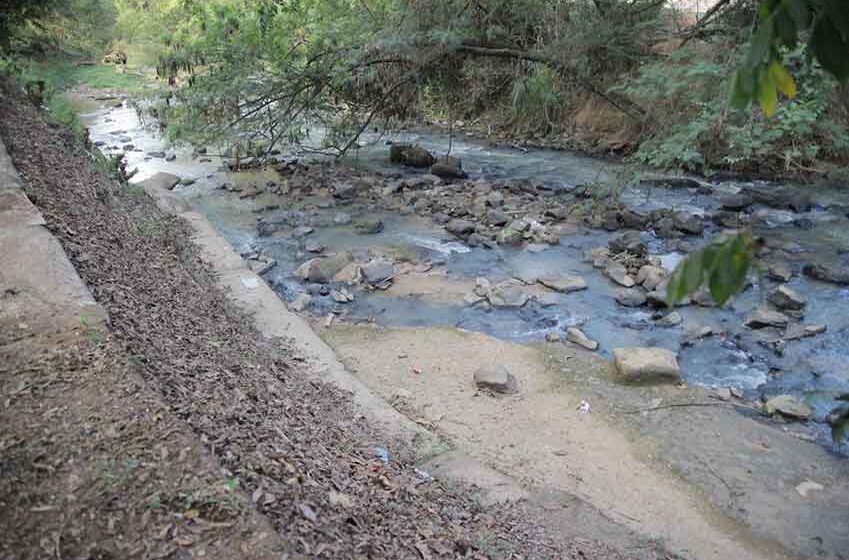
(417, 370)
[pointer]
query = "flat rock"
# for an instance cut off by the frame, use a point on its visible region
(160, 180)
(646, 365)
(563, 284)
(779, 272)
(507, 294)
(496, 379)
(762, 318)
(789, 407)
(736, 202)
(827, 273)
(618, 273)
(631, 297)
(577, 336)
(784, 297)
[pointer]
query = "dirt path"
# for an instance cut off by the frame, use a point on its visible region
(640, 477)
(290, 445)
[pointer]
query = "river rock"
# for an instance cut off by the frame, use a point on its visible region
(507, 294)
(496, 379)
(577, 336)
(646, 365)
(618, 273)
(789, 407)
(790, 198)
(599, 257)
(161, 180)
(349, 274)
(342, 295)
(736, 202)
(634, 219)
(321, 269)
(497, 217)
(448, 168)
(779, 272)
(631, 297)
(688, 223)
(669, 320)
(411, 156)
(495, 199)
(300, 302)
(628, 241)
(762, 318)
(510, 235)
(160, 155)
(341, 219)
(460, 227)
(313, 246)
(650, 276)
(378, 271)
(564, 284)
(784, 297)
(368, 226)
(827, 273)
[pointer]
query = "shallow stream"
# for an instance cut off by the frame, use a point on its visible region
(815, 368)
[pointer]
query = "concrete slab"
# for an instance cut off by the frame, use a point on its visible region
(9, 178)
(39, 287)
(17, 210)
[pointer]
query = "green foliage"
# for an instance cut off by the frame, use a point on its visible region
(723, 266)
(697, 130)
(782, 23)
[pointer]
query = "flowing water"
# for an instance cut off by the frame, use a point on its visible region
(816, 368)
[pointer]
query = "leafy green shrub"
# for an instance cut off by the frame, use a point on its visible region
(697, 129)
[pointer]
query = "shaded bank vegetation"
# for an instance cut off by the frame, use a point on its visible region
(643, 78)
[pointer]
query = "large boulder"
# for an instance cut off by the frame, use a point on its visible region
(323, 269)
(646, 365)
(448, 168)
(411, 156)
(496, 379)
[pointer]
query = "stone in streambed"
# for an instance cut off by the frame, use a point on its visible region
(789, 407)
(784, 297)
(496, 379)
(448, 168)
(646, 365)
(368, 226)
(577, 336)
(618, 273)
(322, 270)
(827, 273)
(762, 318)
(563, 284)
(460, 227)
(631, 297)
